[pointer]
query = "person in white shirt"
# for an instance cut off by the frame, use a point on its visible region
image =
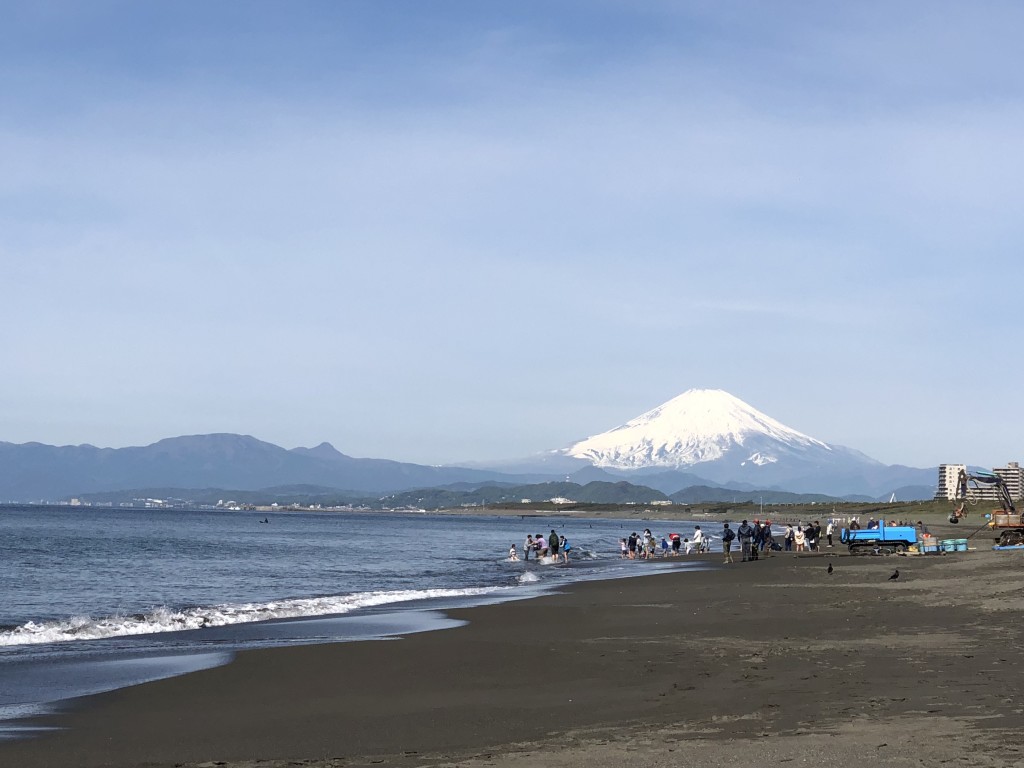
(645, 543)
(698, 540)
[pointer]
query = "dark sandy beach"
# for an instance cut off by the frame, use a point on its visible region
(773, 661)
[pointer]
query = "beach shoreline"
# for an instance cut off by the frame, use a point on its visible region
(775, 654)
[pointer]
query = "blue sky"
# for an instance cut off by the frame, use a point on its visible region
(454, 231)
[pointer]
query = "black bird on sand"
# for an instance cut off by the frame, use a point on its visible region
(830, 568)
(895, 575)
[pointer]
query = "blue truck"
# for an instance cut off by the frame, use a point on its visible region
(884, 538)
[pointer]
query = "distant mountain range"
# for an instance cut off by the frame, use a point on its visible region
(701, 438)
(709, 435)
(33, 471)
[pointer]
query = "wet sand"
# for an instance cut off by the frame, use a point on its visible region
(772, 661)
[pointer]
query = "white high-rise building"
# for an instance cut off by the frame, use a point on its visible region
(1013, 476)
(948, 474)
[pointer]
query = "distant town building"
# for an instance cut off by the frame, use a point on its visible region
(561, 500)
(151, 503)
(948, 474)
(1013, 475)
(661, 503)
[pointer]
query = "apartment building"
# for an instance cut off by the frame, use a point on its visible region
(948, 474)
(1013, 476)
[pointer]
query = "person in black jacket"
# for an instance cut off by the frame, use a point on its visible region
(758, 544)
(812, 540)
(746, 536)
(727, 536)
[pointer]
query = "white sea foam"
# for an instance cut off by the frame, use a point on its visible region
(529, 577)
(168, 620)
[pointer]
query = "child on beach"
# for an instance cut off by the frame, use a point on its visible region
(623, 549)
(512, 554)
(698, 540)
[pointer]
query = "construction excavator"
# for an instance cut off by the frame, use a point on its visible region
(1007, 520)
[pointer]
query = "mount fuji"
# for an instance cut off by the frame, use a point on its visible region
(709, 434)
(698, 427)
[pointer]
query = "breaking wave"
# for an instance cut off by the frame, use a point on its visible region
(175, 620)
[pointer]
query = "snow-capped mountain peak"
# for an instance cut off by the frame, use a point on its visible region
(700, 425)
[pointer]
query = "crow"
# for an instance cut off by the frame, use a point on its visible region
(830, 568)
(895, 575)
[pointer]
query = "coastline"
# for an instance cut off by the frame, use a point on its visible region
(775, 656)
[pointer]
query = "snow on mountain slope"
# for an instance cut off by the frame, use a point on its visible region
(701, 425)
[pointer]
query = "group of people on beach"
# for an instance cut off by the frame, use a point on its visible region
(753, 539)
(809, 538)
(645, 546)
(554, 546)
(759, 538)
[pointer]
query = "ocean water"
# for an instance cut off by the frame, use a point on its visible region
(94, 599)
